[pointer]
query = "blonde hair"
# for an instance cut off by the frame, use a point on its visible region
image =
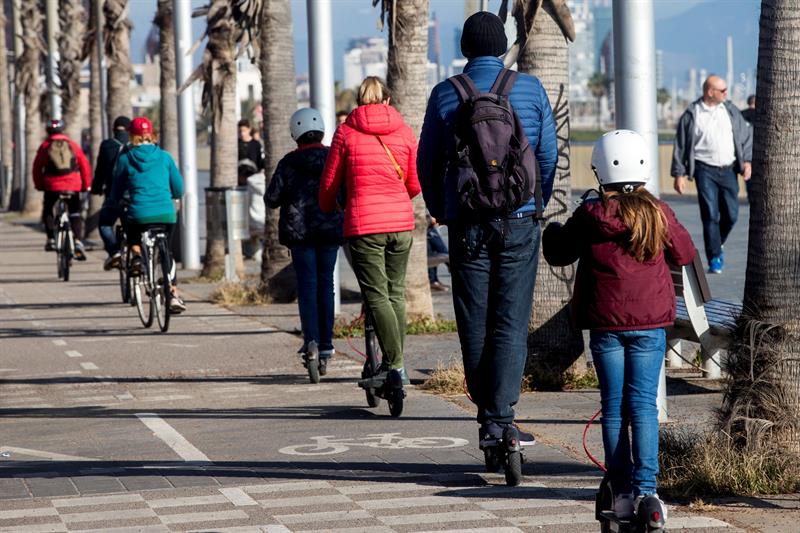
(644, 218)
(136, 140)
(373, 91)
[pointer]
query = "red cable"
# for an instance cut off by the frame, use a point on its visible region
(585, 448)
(466, 390)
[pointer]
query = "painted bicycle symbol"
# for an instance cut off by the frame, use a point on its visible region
(330, 445)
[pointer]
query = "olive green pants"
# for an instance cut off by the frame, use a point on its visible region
(379, 263)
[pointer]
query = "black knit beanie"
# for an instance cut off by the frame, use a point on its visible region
(483, 35)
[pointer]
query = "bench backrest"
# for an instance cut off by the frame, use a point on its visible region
(695, 270)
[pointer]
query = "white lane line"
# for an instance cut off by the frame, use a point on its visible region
(89, 366)
(287, 486)
(103, 516)
(35, 528)
(28, 513)
(59, 342)
(45, 455)
(97, 500)
(237, 496)
(73, 353)
(305, 501)
(172, 438)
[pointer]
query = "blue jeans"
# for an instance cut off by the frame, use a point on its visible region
(628, 364)
(493, 266)
(436, 245)
(718, 195)
(108, 217)
(314, 268)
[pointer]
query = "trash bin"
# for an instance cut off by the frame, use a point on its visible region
(218, 212)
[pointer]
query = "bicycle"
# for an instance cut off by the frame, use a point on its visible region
(65, 239)
(125, 279)
(154, 283)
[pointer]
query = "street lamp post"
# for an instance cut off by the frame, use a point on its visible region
(635, 75)
(190, 235)
(320, 59)
(51, 11)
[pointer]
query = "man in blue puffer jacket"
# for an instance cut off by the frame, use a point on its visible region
(493, 265)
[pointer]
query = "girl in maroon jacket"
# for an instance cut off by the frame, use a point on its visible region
(374, 156)
(624, 295)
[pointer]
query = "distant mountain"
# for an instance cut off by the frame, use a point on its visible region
(697, 38)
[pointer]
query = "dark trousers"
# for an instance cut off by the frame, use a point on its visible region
(718, 195)
(314, 267)
(493, 266)
(109, 215)
(73, 206)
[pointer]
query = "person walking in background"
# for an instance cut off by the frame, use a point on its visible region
(493, 258)
(147, 175)
(374, 155)
(107, 155)
(437, 254)
(312, 236)
(251, 153)
(61, 167)
(623, 242)
(713, 144)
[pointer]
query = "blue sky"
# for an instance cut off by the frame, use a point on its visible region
(357, 18)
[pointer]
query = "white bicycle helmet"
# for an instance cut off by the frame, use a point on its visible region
(621, 157)
(305, 120)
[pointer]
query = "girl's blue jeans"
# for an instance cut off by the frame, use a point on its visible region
(314, 268)
(628, 364)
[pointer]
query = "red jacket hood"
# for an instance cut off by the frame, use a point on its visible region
(375, 119)
(607, 224)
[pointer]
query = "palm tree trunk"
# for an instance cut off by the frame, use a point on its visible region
(72, 18)
(762, 401)
(28, 83)
(278, 102)
(554, 345)
(224, 147)
(117, 40)
(168, 136)
(95, 115)
(407, 76)
(6, 126)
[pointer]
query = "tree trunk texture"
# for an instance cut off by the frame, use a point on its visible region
(168, 136)
(406, 75)
(72, 19)
(224, 147)
(95, 117)
(278, 102)
(555, 346)
(28, 83)
(772, 284)
(6, 114)
(118, 42)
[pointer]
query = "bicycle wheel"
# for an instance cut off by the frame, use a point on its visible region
(141, 298)
(131, 279)
(58, 237)
(162, 286)
(65, 253)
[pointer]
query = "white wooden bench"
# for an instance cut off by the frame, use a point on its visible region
(701, 319)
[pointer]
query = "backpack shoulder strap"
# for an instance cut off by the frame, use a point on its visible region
(465, 87)
(504, 82)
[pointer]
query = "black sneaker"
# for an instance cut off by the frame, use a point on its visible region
(525, 438)
(50, 245)
(80, 253)
(137, 265)
(112, 261)
(489, 435)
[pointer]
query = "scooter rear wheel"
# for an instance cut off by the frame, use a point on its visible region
(513, 469)
(491, 459)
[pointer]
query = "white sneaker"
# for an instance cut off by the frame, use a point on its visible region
(653, 508)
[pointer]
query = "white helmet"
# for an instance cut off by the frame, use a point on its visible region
(621, 157)
(305, 120)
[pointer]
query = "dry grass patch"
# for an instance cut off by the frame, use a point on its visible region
(343, 328)
(238, 294)
(448, 380)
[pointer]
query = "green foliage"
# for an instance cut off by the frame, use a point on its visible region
(343, 328)
(587, 380)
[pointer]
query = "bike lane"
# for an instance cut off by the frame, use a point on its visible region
(214, 427)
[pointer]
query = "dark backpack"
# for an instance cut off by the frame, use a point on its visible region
(60, 159)
(496, 168)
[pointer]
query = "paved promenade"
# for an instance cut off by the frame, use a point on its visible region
(107, 426)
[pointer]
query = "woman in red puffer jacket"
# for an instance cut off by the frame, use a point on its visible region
(373, 157)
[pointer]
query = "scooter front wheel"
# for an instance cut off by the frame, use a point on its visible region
(513, 469)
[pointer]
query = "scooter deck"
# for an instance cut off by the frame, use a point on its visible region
(620, 525)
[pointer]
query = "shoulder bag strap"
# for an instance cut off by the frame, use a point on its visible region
(397, 167)
(465, 87)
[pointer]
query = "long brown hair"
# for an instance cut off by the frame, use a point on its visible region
(641, 213)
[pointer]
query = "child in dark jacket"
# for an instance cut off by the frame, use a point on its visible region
(624, 295)
(312, 236)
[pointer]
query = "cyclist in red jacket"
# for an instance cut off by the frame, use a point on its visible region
(60, 167)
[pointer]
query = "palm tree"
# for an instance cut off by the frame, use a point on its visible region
(231, 28)
(762, 399)
(95, 106)
(71, 46)
(28, 84)
(168, 117)
(554, 344)
(598, 85)
(662, 99)
(406, 74)
(279, 100)
(6, 117)
(117, 32)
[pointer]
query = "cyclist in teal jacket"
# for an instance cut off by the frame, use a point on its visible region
(152, 182)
